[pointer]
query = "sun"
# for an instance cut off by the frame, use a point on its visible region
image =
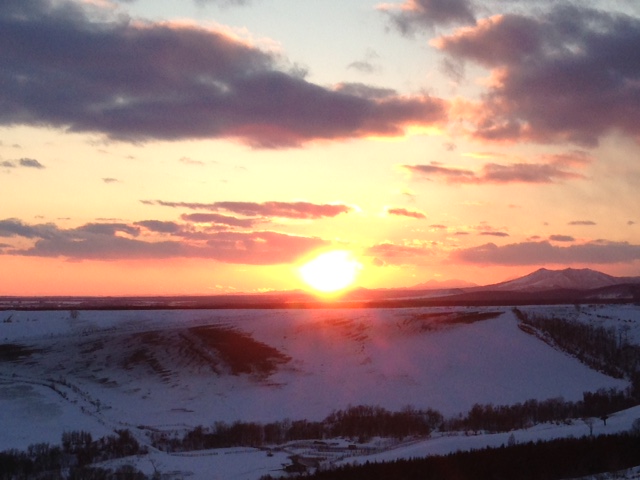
(331, 271)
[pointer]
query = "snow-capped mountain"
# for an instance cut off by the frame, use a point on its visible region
(569, 279)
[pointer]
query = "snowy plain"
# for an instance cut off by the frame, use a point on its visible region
(152, 369)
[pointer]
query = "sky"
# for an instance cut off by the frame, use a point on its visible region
(155, 147)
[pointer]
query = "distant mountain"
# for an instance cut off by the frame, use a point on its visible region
(567, 279)
(436, 284)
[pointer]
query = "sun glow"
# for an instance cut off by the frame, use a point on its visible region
(331, 271)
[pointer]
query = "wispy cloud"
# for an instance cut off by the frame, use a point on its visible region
(395, 254)
(544, 253)
(403, 212)
(219, 219)
(587, 223)
(295, 210)
(116, 241)
(561, 238)
(552, 172)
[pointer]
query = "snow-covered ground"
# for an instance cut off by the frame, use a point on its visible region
(101, 370)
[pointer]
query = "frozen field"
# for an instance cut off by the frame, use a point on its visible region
(176, 369)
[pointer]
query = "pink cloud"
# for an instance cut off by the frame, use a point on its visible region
(551, 172)
(403, 212)
(295, 210)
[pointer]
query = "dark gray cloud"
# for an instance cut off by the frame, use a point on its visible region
(572, 74)
(12, 227)
(561, 238)
(415, 15)
(23, 162)
(110, 229)
(494, 234)
(544, 253)
(30, 163)
(160, 226)
(137, 81)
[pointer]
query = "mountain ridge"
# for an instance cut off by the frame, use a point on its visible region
(568, 278)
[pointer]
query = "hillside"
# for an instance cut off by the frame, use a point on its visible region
(176, 369)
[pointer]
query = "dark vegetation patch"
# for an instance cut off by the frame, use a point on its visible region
(426, 322)
(14, 352)
(241, 352)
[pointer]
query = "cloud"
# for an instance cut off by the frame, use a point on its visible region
(363, 66)
(160, 226)
(295, 210)
(116, 241)
(561, 238)
(110, 180)
(12, 227)
(455, 175)
(495, 234)
(30, 163)
(551, 172)
(582, 222)
(23, 162)
(571, 74)
(261, 248)
(225, 3)
(542, 253)
(403, 212)
(390, 253)
(110, 229)
(414, 15)
(219, 219)
(174, 81)
(190, 161)
(367, 65)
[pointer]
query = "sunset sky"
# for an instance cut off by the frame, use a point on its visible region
(213, 146)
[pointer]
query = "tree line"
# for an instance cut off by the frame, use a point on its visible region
(78, 450)
(605, 349)
(542, 460)
(362, 422)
